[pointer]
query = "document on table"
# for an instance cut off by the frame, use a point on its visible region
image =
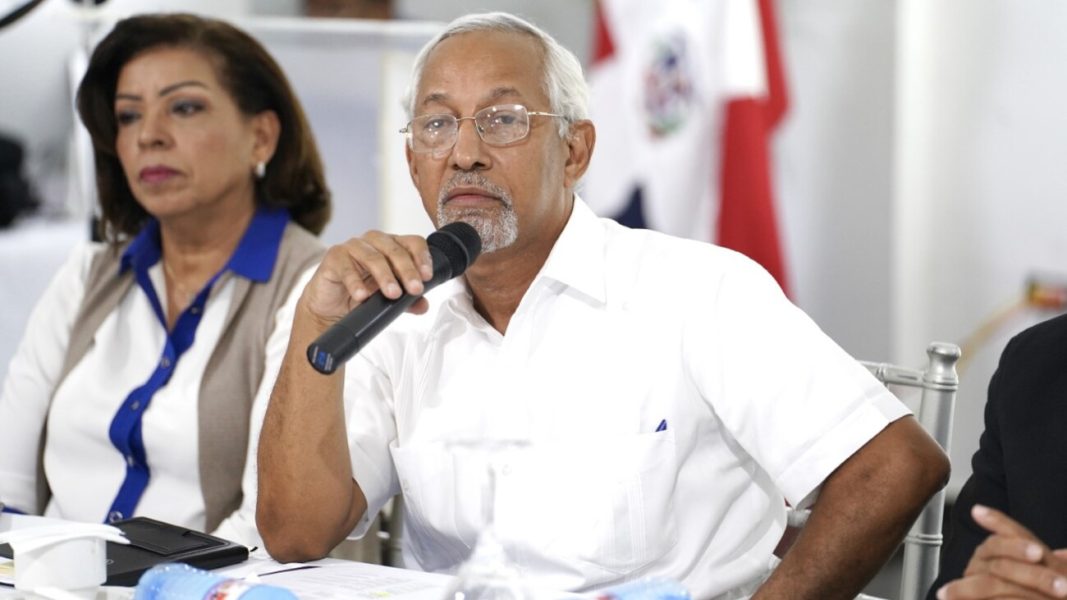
(7, 571)
(357, 580)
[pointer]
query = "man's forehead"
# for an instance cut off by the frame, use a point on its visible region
(494, 94)
(489, 40)
(484, 65)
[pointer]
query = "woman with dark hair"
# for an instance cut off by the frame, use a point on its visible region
(145, 368)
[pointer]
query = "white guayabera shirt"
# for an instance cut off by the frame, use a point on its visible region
(672, 397)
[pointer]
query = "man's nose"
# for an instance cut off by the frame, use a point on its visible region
(468, 154)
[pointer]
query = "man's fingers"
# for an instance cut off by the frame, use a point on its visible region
(386, 261)
(360, 267)
(420, 253)
(394, 263)
(405, 255)
(420, 307)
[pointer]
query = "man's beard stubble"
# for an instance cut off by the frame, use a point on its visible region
(498, 228)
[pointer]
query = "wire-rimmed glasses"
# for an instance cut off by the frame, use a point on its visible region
(497, 125)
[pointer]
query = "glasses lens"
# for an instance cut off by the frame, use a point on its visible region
(503, 124)
(432, 132)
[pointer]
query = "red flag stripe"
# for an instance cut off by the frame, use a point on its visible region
(603, 47)
(747, 221)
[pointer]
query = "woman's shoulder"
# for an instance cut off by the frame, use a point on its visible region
(300, 248)
(87, 258)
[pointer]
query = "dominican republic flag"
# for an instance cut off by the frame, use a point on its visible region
(685, 95)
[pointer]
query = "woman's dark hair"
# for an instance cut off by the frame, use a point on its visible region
(294, 178)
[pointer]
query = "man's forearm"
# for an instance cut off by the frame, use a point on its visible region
(307, 498)
(864, 510)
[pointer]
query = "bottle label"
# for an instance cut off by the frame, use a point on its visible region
(231, 589)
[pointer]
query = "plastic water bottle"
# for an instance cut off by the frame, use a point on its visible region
(177, 581)
(654, 588)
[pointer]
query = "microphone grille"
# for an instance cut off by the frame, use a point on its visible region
(460, 244)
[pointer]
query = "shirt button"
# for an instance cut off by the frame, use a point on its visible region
(165, 363)
(195, 310)
(130, 460)
(135, 405)
(114, 516)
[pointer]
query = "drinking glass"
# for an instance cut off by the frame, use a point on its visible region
(488, 574)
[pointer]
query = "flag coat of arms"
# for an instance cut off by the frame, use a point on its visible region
(685, 94)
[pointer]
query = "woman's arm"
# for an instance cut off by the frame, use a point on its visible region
(32, 377)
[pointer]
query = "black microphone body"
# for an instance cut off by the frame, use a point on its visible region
(452, 249)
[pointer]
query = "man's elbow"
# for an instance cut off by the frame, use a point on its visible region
(293, 550)
(928, 466)
(291, 533)
(940, 470)
(290, 540)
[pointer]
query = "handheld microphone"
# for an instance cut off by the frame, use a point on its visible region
(452, 248)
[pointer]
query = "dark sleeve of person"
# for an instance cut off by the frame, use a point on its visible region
(1022, 455)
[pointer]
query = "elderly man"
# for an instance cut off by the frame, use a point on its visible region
(669, 397)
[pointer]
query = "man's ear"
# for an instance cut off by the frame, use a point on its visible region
(266, 129)
(580, 141)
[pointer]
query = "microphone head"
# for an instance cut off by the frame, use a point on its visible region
(460, 244)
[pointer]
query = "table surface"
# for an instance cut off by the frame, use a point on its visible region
(324, 579)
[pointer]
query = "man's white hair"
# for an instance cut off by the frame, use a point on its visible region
(564, 84)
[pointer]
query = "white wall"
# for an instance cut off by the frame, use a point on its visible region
(833, 157)
(995, 178)
(920, 175)
(569, 21)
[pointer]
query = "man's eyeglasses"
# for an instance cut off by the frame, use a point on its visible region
(497, 126)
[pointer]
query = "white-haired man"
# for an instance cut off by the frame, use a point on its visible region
(670, 398)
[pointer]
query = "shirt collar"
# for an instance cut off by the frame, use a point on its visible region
(253, 258)
(577, 258)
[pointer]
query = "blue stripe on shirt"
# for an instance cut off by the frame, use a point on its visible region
(253, 258)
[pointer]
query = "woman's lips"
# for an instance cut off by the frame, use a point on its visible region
(156, 174)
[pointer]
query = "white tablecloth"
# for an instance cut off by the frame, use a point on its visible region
(325, 579)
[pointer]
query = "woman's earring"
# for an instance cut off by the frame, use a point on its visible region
(261, 170)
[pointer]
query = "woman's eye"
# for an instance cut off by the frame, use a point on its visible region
(125, 117)
(187, 107)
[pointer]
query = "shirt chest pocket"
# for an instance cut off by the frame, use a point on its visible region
(595, 508)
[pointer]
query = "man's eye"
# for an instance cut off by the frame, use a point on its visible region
(503, 118)
(436, 124)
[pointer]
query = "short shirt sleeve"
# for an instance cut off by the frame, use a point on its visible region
(371, 432)
(790, 396)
